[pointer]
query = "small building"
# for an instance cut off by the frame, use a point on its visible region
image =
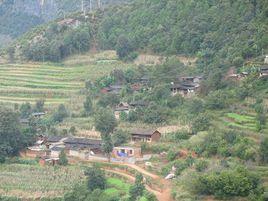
(145, 135)
(126, 152)
(74, 23)
(83, 144)
(24, 121)
(35, 151)
(55, 151)
(136, 87)
(120, 108)
(193, 79)
(115, 89)
(266, 59)
(38, 114)
(144, 80)
(183, 89)
(138, 103)
(48, 161)
(264, 72)
(54, 139)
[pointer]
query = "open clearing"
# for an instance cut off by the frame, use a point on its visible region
(55, 83)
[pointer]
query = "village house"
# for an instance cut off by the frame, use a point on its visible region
(191, 79)
(266, 59)
(35, 151)
(264, 72)
(54, 141)
(138, 103)
(74, 23)
(38, 114)
(126, 152)
(82, 147)
(184, 89)
(48, 161)
(145, 135)
(232, 75)
(115, 89)
(144, 80)
(120, 108)
(56, 150)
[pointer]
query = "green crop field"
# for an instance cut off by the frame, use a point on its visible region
(55, 83)
(32, 180)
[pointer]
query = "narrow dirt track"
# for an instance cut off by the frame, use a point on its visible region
(164, 195)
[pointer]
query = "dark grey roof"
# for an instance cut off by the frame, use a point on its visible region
(57, 148)
(82, 141)
(24, 121)
(38, 114)
(144, 132)
(184, 86)
(138, 103)
(264, 69)
(54, 138)
(123, 108)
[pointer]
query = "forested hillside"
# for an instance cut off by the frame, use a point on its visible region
(226, 32)
(17, 16)
(184, 27)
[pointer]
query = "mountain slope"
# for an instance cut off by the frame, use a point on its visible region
(18, 16)
(229, 30)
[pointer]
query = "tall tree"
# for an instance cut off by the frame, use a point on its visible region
(105, 122)
(10, 134)
(96, 179)
(137, 189)
(88, 106)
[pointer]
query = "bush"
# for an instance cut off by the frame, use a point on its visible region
(60, 114)
(200, 123)
(2, 159)
(63, 158)
(201, 165)
(238, 182)
(171, 156)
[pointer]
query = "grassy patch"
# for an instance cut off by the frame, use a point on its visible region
(118, 184)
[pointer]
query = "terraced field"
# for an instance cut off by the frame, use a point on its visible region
(55, 83)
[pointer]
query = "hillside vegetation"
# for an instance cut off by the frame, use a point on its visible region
(167, 27)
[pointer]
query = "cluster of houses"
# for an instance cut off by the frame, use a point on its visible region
(48, 149)
(263, 73)
(185, 86)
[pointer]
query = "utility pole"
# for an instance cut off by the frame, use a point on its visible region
(99, 4)
(83, 7)
(90, 5)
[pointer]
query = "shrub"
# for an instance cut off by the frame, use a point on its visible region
(238, 182)
(171, 156)
(201, 165)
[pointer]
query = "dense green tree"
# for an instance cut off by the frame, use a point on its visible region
(60, 113)
(25, 110)
(137, 189)
(88, 106)
(39, 106)
(228, 183)
(263, 151)
(63, 158)
(109, 100)
(11, 139)
(96, 179)
(120, 137)
(105, 121)
(200, 123)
